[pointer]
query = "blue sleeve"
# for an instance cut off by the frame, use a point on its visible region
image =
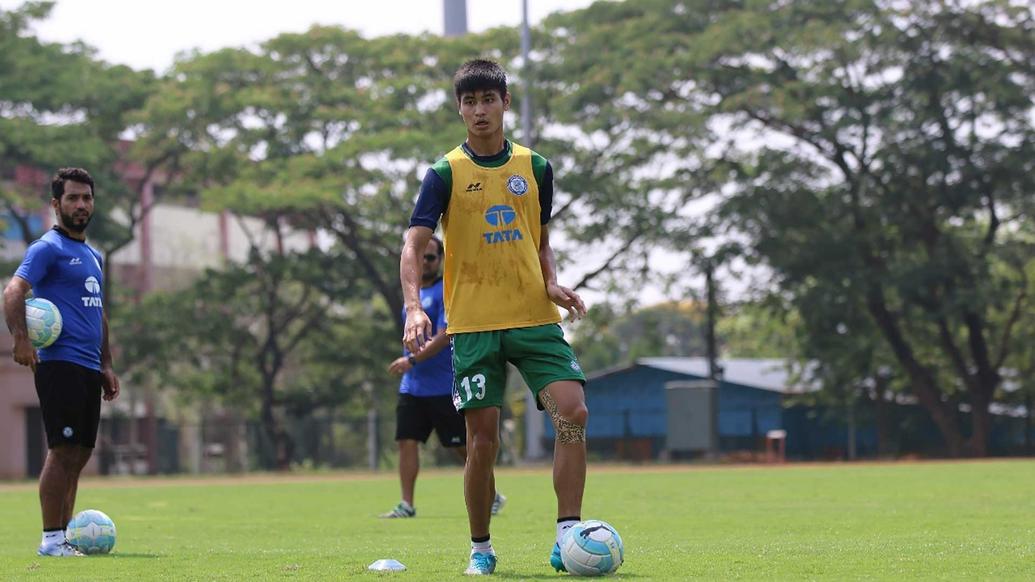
(546, 195)
(38, 258)
(97, 255)
(441, 323)
(431, 201)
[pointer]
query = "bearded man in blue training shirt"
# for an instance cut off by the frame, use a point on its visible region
(72, 373)
(426, 391)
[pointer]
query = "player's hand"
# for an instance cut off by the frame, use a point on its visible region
(417, 330)
(400, 366)
(567, 299)
(25, 354)
(110, 384)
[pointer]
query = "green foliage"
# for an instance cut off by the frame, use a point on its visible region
(277, 336)
(60, 106)
(607, 338)
(758, 330)
(326, 129)
(876, 158)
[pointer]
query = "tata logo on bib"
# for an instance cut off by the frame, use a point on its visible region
(92, 286)
(500, 217)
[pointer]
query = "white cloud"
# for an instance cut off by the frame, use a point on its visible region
(149, 34)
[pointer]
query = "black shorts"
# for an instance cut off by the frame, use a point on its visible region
(70, 403)
(415, 416)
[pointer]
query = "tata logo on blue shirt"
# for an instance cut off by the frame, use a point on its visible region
(500, 217)
(92, 286)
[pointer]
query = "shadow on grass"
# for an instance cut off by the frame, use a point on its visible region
(126, 555)
(555, 576)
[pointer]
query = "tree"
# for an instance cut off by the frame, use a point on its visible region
(619, 142)
(280, 335)
(39, 84)
(608, 338)
(759, 330)
(60, 106)
(874, 156)
(327, 129)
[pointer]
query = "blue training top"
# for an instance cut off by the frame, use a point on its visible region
(432, 377)
(68, 273)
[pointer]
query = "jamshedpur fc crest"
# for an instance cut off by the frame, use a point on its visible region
(517, 185)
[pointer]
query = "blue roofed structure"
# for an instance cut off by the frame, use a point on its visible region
(628, 416)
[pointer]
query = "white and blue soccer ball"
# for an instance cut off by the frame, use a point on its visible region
(91, 532)
(592, 548)
(43, 321)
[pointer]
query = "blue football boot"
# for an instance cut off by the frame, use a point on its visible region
(482, 564)
(555, 559)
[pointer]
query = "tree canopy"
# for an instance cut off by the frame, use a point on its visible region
(873, 160)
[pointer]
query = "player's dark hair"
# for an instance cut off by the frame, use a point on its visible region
(479, 75)
(57, 183)
(441, 247)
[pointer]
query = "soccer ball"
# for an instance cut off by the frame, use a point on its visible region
(43, 321)
(91, 532)
(592, 548)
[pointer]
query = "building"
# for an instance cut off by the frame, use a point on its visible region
(629, 414)
(632, 415)
(172, 244)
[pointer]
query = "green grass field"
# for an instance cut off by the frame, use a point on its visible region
(963, 521)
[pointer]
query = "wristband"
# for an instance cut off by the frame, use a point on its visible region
(412, 360)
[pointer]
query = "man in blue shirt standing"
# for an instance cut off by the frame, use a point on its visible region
(426, 390)
(72, 373)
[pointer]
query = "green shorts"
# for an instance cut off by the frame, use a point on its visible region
(480, 359)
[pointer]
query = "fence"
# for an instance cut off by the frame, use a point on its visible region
(228, 445)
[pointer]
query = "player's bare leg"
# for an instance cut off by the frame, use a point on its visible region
(409, 466)
(59, 465)
(81, 458)
(498, 499)
(483, 444)
(54, 480)
(565, 403)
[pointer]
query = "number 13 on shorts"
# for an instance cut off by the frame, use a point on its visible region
(476, 390)
(478, 380)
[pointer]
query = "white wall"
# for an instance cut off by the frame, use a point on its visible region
(189, 238)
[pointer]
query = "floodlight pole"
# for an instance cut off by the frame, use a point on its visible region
(454, 17)
(526, 69)
(534, 450)
(714, 369)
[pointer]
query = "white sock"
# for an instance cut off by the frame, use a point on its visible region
(405, 505)
(563, 526)
(53, 537)
(482, 547)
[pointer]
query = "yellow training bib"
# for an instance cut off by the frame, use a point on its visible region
(492, 230)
